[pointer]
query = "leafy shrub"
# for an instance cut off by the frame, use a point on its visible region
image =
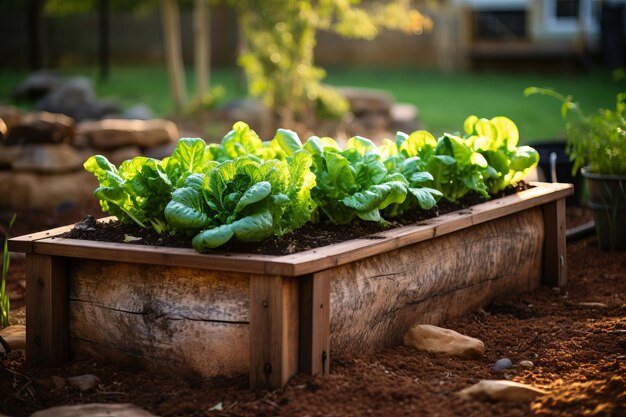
(597, 140)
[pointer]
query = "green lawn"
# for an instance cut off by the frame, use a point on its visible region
(444, 100)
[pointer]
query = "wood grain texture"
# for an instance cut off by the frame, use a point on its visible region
(314, 323)
(274, 331)
(374, 301)
(175, 318)
(47, 307)
(302, 263)
(555, 251)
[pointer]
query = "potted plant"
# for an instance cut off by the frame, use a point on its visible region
(596, 144)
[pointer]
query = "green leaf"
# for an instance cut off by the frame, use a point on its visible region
(192, 154)
(186, 210)
(362, 145)
(288, 141)
(254, 194)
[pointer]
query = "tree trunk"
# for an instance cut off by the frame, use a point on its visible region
(202, 46)
(173, 52)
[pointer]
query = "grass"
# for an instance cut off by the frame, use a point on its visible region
(444, 100)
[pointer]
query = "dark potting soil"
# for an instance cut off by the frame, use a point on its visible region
(309, 236)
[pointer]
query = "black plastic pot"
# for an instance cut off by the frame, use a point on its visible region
(556, 167)
(607, 199)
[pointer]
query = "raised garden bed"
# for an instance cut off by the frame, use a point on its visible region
(273, 316)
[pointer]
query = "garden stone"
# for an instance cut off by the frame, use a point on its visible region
(439, 340)
(593, 304)
(94, 410)
(367, 100)
(3, 130)
(10, 115)
(37, 85)
(526, 364)
(84, 383)
(502, 364)
(404, 118)
(117, 156)
(34, 190)
(160, 151)
(47, 159)
(76, 98)
(117, 133)
(59, 382)
(487, 390)
(41, 127)
(14, 336)
(139, 112)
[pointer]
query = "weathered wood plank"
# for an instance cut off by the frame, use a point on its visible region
(375, 300)
(305, 262)
(315, 323)
(274, 331)
(173, 293)
(177, 318)
(165, 343)
(555, 252)
(47, 307)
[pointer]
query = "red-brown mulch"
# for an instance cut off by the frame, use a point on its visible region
(578, 353)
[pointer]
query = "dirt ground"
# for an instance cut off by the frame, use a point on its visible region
(578, 352)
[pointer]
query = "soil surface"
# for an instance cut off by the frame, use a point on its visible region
(578, 351)
(307, 237)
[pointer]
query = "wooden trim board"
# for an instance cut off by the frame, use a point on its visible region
(301, 263)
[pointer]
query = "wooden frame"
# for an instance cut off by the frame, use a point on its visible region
(284, 306)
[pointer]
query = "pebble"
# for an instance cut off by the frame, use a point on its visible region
(526, 364)
(59, 382)
(85, 382)
(501, 364)
(487, 390)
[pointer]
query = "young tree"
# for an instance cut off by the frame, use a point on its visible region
(279, 38)
(173, 52)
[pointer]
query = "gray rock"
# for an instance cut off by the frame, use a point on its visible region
(502, 364)
(85, 382)
(526, 364)
(139, 112)
(76, 98)
(37, 85)
(94, 410)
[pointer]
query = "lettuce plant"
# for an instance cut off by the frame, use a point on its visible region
(138, 191)
(243, 199)
(496, 140)
(355, 182)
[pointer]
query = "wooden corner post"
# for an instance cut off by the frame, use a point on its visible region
(314, 323)
(46, 309)
(274, 330)
(554, 249)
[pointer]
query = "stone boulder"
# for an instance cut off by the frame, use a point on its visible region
(75, 97)
(443, 341)
(404, 118)
(117, 133)
(94, 410)
(367, 100)
(37, 85)
(487, 390)
(33, 190)
(42, 158)
(41, 127)
(14, 336)
(10, 115)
